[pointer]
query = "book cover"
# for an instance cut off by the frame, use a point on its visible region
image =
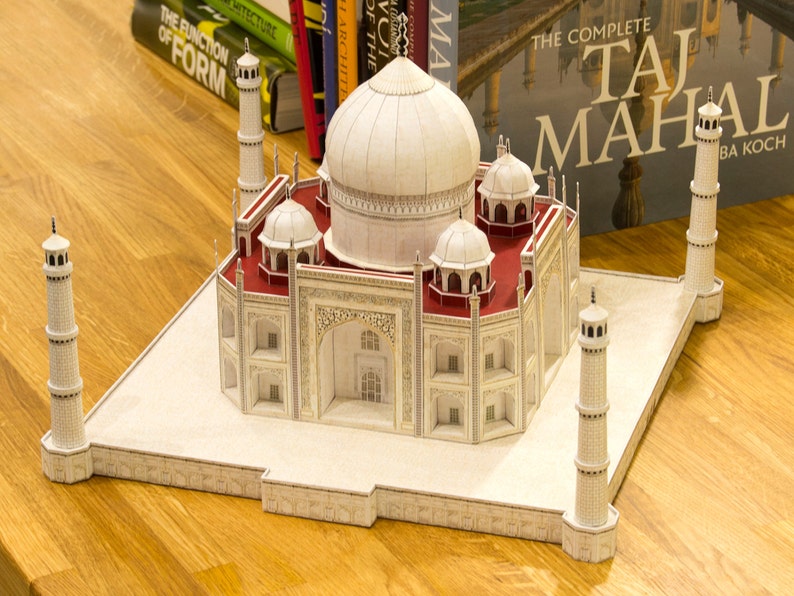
(376, 27)
(347, 47)
(330, 79)
(279, 8)
(259, 22)
(306, 18)
(417, 32)
(607, 94)
(442, 41)
(204, 44)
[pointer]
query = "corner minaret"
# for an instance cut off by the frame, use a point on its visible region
(702, 233)
(252, 179)
(65, 451)
(589, 534)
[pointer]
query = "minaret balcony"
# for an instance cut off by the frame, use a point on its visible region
(61, 336)
(591, 411)
(590, 467)
(70, 391)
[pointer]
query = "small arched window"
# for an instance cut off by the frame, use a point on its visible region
(370, 341)
(371, 389)
(500, 213)
(453, 282)
(475, 280)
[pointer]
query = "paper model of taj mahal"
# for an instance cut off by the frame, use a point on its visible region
(408, 335)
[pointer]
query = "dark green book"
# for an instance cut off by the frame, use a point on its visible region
(204, 44)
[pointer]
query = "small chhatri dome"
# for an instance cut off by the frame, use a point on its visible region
(508, 178)
(462, 246)
(710, 109)
(247, 60)
(593, 314)
(56, 242)
(289, 222)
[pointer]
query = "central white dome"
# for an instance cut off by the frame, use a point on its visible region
(402, 133)
(401, 155)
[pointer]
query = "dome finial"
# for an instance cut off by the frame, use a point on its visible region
(592, 295)
(247, 49)
(53, 225)
(460, 212)
(710, 94)
(402, 35)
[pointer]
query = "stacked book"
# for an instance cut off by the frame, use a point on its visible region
(314, 52)
(204, 43)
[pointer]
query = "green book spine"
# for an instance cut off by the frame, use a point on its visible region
(205, 45)
(259, 22)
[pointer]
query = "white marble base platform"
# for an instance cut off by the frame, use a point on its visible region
(166, 422)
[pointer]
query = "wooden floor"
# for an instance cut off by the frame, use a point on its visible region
(138, 165)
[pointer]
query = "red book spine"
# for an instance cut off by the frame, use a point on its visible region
(312, 98)
(417, 32)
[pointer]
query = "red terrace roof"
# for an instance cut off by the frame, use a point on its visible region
(504, 270)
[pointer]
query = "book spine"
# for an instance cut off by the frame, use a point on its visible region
(377, 30)
(417, 32)
(280, 8)
(274, 70)
(442, 51)
(307, 31)
(197, 40)
(261, 23)
(347, 47)
(330, 82)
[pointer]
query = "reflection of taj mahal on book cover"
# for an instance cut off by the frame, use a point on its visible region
(608, 91)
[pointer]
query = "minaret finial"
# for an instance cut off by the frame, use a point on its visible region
(460, 212)
(53, 225)
(247, 49)
(507, 145)
(592, 295)
(710, 94)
